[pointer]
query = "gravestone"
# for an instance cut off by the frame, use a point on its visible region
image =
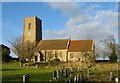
(26, 78)
(72, 69)
(117, 67)
(58, 74)
(110, 76)
(70, 80)
(66, 72)
(54, 75)
(116, 80)
(62, 72)
(88, 73)
(75, 79)
(78, 78)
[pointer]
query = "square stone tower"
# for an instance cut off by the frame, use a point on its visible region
(32, 29)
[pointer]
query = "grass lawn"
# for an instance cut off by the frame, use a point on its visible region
(12, 72)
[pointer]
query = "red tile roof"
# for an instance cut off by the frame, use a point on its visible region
(53, 44)
(80, 45)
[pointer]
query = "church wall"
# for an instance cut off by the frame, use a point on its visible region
(62, 55)
(78, 56)
(50, 54)
(75, 56)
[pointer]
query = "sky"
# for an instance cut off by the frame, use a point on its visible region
(79, 20)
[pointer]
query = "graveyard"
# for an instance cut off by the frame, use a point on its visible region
(63, 72)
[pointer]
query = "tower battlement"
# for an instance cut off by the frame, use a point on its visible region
(32, 29)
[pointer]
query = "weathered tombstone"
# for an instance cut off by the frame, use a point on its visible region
(117, 67)
(58, 74)
(54, 75)
(75, 79)
(70, 80)
(88, 73)
(62, 72)
(66, 72)
(78, 78)
(71, 69)
(81, 77)
(26, 78)
(110, 76)
(67, 81)
(50, 81)
(78, 69)
(116, 80)
(36, 66)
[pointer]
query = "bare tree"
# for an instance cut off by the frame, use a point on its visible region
(111, 48)
(87, 54)
(24, 50)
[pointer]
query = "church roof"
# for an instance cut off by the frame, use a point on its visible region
(80, 45)
(53, 44)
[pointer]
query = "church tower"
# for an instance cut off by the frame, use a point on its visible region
(32, 29)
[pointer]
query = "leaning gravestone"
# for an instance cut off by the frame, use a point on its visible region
(26, 78)
(54, 75)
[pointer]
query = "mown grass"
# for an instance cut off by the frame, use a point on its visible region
(12, 72)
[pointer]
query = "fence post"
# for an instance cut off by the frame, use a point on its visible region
(26, 78)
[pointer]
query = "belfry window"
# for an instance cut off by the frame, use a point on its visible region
(29, 26)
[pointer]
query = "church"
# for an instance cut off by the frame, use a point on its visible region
(63, 49)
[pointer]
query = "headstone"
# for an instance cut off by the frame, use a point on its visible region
(50, 81)
(75, 79)
(88, 73)
(58, 74)
(110, 76)
(70, 80)
(78, 69)
(62, 72)
(116, 80)
(66, 72)
(71, 69)
(26, 78)
(78, 78)
(117, 67)
(54, 75)
(67, 81)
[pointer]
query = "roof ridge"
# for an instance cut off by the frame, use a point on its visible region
(55, 39)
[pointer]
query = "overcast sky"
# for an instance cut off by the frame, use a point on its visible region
(80, 20)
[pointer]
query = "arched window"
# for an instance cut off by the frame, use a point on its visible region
(29, 26)
(60, 54)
